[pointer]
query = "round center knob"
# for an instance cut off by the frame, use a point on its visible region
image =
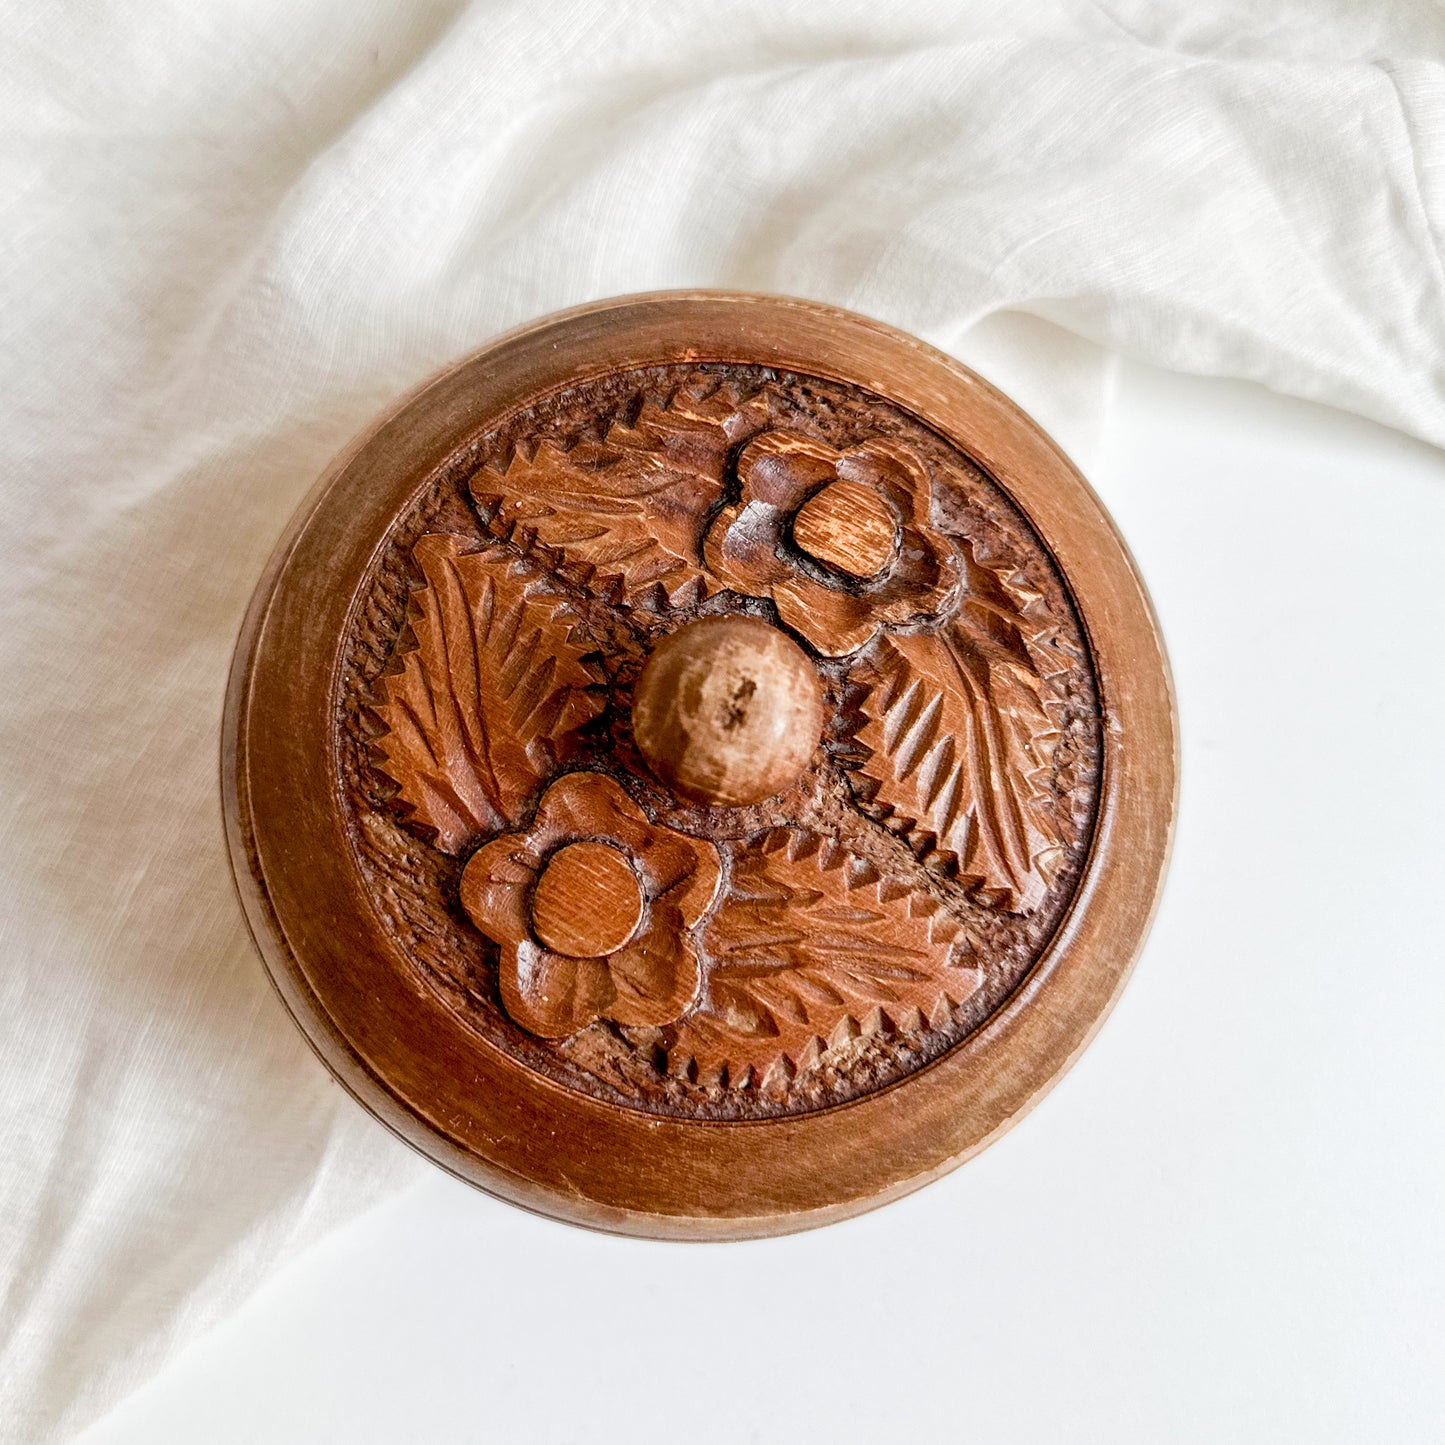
(587, 902)
(848, 526)
(728, 710)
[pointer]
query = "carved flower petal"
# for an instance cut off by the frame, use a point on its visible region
(780, 468)
(894, 469)
(657, 977)
(587, 805)
(741, 549)
(922, 582)
(552, 996)
(699, 890)
(497, 885)
(680, 871)
(836, 623)
(925, 574)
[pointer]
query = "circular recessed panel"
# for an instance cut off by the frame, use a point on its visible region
(667, 768)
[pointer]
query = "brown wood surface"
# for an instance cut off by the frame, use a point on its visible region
(727, 710)
(607, 908)
(587, 902)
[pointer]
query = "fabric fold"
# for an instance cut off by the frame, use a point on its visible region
(234, 232)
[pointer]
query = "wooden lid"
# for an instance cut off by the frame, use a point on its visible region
(702, 766)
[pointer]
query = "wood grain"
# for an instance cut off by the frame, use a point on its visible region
(727, 711)
(847, 526)
(587, 902)
(811, 951)
(489, 701)
(443, 1071)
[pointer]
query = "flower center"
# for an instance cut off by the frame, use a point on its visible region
(728, 711)
(588, 902)
(847, 526)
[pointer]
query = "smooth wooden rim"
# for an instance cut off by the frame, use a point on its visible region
(488, 1118)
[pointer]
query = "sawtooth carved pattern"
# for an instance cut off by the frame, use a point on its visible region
(706, 961)
(811, 950)
(960, 735)
(628, 908)
(490, 700)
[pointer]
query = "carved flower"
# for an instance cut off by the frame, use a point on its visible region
(593, 906)
(953, 710)
(840, 541)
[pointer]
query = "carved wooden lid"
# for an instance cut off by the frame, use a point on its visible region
(701, 766)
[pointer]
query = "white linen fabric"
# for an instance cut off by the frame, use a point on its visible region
(234, 230)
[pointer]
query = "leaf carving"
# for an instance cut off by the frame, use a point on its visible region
(490, 700)
(960, 743)
(624, 513)
(809, 949)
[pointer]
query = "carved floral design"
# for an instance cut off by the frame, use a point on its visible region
(871, 501)
(811, 949)
(960, 745)
(491, 699)
(650, 974)
(622, 512)
(944, 658)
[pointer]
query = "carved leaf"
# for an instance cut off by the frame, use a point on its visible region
(489, 701)
(625, 512)
(960, 744)
(809, 949)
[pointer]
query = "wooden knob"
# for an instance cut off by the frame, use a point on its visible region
(728, 711)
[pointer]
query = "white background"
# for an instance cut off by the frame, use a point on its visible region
(1225, 1223)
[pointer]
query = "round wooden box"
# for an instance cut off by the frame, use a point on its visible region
(701, 766)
